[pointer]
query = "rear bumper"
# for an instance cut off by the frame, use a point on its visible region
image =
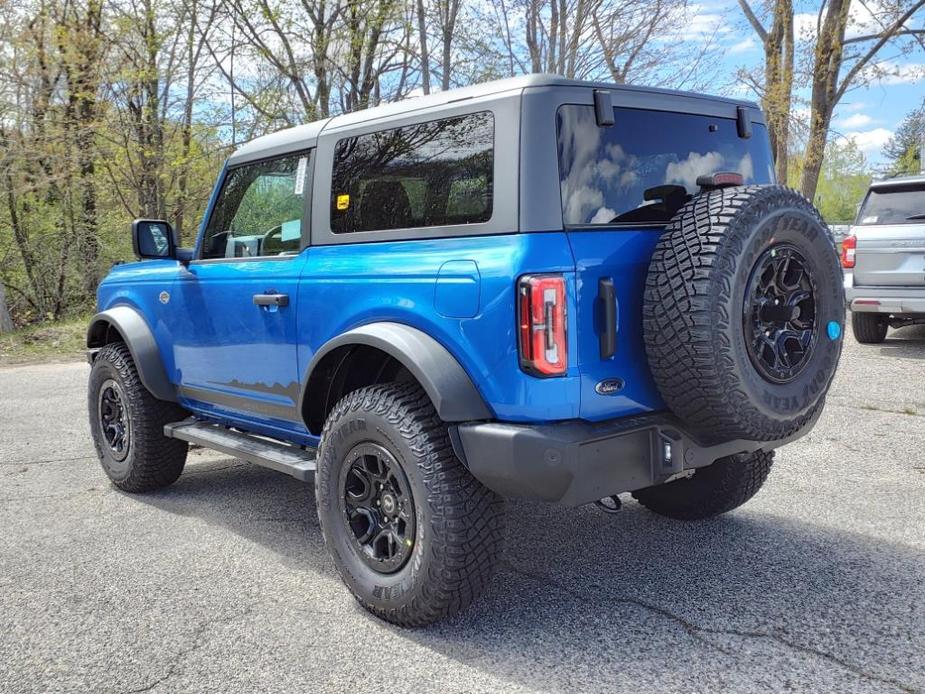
(577, 462)
(895, 300)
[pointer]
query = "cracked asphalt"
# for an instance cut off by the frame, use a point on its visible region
(221, 583)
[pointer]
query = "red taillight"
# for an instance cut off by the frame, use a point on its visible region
(849, 249)
(541, 320)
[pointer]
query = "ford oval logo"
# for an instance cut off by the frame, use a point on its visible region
(610, 386)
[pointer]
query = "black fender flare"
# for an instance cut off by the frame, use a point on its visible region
(137, 336)
(454, 395)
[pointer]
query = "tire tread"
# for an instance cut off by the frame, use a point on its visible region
(467, 524)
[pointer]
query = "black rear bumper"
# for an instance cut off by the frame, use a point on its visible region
(576, 462)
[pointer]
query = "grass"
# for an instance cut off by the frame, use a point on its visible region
(45, 342)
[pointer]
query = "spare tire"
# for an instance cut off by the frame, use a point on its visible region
(744, 313)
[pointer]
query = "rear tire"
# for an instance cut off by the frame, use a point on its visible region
(869, 328)
(127, 425)
(726, 484)
(413, 534)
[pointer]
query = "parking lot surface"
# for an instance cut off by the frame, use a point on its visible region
(221, 582)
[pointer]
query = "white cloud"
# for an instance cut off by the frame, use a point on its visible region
(870, 141)
(743, 46)
(864, 18)
(685, 172)
(890, 72)
(704, 24)
(855, 121)
(804, 25)
(603, 215)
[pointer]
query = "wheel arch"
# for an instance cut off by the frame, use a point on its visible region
(125, 324)
(449, 387)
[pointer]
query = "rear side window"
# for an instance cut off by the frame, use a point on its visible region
(430, 174)
(894, 205)
(645, 167)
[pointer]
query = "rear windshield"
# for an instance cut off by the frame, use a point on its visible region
(894, 205)
(645, 167)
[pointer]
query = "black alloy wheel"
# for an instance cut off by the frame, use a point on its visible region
(378, 507)
(115, 423)
(780, 314)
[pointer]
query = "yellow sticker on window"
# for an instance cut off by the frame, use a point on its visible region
(343, 202)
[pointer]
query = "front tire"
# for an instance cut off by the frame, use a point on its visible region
(127, 425)
(869, 328)
(413, 535)
(718, 488)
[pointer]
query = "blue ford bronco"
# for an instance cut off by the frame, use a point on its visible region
(534, 288)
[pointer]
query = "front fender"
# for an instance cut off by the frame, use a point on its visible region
(446, 383)
(133, 330)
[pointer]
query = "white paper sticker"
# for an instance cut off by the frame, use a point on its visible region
(300, 176)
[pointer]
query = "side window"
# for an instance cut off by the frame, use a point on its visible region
(424, 175)
(259, 210)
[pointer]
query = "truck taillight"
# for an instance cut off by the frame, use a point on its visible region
(849, 249)
(541, 318)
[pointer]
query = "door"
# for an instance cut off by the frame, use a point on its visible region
(620, 186)
(891, 236)
(236, 320)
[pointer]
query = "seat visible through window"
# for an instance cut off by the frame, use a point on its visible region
(384, 205)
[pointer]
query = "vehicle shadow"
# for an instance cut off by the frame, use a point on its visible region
(907, 343)
(585, 600)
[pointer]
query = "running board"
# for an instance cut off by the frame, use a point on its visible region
(293, 460)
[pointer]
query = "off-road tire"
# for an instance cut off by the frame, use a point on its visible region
(726, 484)
(694, 313)
(459, 522)
(153, 461)
(869, 328)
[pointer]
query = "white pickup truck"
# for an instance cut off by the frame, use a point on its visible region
(884, 259)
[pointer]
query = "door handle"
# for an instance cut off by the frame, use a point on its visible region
(271, 299)
(607, 340)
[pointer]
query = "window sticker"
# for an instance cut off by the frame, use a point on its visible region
(300, 176)
(869, 220)
(343, 202)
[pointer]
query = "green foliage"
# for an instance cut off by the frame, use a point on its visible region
(903, 151)
(843, 180)
(65, 340)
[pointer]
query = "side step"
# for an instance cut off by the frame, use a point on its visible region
(295, 461)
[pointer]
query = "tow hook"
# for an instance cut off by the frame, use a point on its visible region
(609, 504)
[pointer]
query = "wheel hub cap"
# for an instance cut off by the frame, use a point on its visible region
(779, 314)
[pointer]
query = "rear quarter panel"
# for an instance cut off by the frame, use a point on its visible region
(355, 284)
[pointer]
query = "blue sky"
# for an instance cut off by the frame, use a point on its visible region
(868, 114)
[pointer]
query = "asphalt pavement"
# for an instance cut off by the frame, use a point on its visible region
(221, 582)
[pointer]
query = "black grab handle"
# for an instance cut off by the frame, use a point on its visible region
(608, 336)
(271, 299)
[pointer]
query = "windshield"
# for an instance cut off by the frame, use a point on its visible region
(645, 167)
(894, 205)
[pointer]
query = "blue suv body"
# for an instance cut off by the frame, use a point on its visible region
(489, 245)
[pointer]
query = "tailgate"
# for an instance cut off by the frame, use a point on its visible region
(620, 185)
(890, 256)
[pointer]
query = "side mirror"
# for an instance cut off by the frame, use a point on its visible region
(154, 238)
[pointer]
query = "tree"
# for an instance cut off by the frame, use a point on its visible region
(904, 149)
(835, 70)
(843, 181)
(777, 88)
